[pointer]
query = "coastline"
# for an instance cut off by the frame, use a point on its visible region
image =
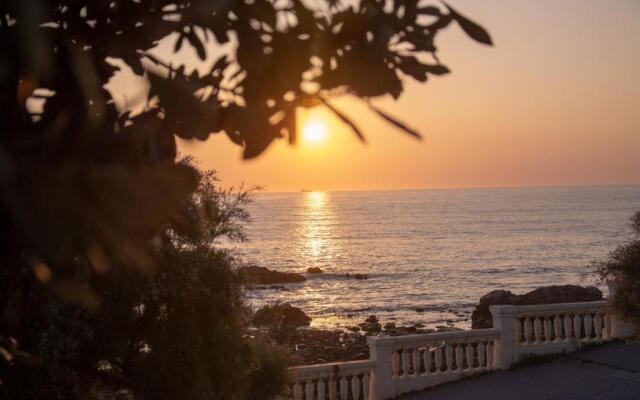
(290, 327)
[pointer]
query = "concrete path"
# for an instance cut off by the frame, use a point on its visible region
(609, 372)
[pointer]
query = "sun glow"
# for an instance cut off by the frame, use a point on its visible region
(314, 131)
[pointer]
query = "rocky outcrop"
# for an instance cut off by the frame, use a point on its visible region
(255, 275)
(371, 325)
(313, 346)
(314, 270)
(281, 315)
(481, 317)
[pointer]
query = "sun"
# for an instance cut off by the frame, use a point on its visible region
(314, 132)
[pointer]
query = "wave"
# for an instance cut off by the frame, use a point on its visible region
(346, 275)
(390, 309)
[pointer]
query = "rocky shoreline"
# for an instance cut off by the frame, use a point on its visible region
(289, 327)
(316, 346)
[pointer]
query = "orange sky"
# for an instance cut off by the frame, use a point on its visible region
(555, 102)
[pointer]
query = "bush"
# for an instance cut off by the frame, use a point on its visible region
(622, 271)
(177, 333)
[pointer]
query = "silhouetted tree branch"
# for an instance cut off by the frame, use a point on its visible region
(88, 190)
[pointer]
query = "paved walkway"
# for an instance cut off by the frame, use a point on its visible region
(610, 372)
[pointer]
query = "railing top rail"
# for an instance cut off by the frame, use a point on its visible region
(433, 337)
(548, 308)
(331, 368)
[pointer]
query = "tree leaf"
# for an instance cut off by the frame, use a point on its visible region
(437, 69)
(195, 41)
(344, 119)
(395, 122)
(412, 67)
(178, 45)
(473, 30)
(429, 10)
(289, 123)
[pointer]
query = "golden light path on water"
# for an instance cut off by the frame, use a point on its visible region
(315, 227)
(317, 238)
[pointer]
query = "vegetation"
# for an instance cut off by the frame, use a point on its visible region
(177, 333)
(110, 279)
(622, 271)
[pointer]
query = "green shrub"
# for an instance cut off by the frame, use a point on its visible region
(622, 271)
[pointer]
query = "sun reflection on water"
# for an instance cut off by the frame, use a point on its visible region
(317, 230)
(315, 200)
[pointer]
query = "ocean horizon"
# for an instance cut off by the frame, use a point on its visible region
(430, 254)
(264, 189)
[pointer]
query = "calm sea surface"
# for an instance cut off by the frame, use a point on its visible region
(430, 254)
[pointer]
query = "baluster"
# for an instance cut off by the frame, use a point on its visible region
(547, 329)
(607, 326)
(309, 390)
(427, 360)
(469, 356)
(577, 324)
(518, 331)
(405, 363)
(537, 329)
(355, 387)
(459, 357)
(481, 350)
(395, 364)
(344, 388)
(490, 354)
(597, 321)
(588, 326)
(365, 386)
(297, 391)
(321, 389)
(527, 330)
(557, 325)
(416, 361)
(448, 355)
(333, 389)
(568, 326)
(438, 357)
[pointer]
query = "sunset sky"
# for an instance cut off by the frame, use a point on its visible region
(556, 101)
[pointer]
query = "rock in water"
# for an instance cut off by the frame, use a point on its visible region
(371, 325)
(264, 276)
(481, 317)
(562, 294)
(283, 315)
(314, 270)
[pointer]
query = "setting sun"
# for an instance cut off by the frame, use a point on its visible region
(314, 131)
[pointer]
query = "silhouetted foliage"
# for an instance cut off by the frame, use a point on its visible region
(622, 271)
(177, 333)
(90, 191)
(81, 174)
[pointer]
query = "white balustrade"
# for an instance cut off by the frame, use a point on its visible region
(429, 359)
(550, 328)
(404, 364)
(349, 380)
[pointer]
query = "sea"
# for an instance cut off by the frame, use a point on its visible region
(429, 255)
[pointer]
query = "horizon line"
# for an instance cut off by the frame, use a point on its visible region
(267, 191)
